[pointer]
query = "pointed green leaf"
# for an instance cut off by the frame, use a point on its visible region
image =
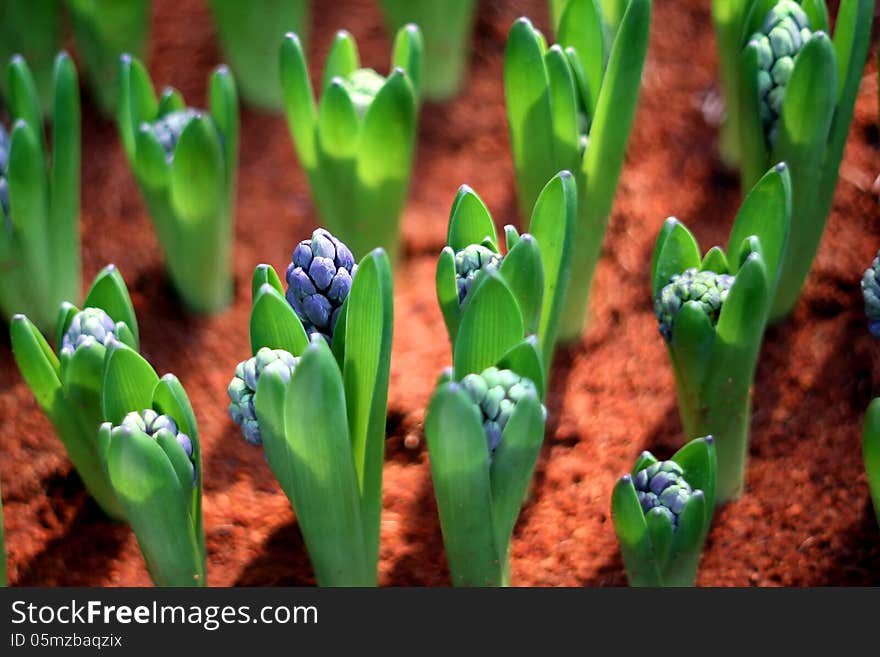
(753, 143)
(269, 400)
(491, 324)
(109, 293)
(66, 313)
(714, 260)
(645, 459)
(156, 508)
(564, 107)
(137, 101)
(693, 338)
(265, 274)
(407, 53)
(198, 176)
(299, 100)
(744, 313)
(171, 100)
(524, 274)
(223, 107)
(460, 473)
(511, 236)
(338, 122)
(580, 28)
(675, 251)
(469, 221)
(447, 292)
(817, 13)
(525, 360)
(699, 462)
(24, 101)
(128, 383)
(274, 324)
(512, 466)
(38, 365)
(660, 534)
(342, 59)
(151, 164)
(632, 535)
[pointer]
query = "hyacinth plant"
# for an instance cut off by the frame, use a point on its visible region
(250, 34)
(712, 312)
(150, 443)
(39, 196)
(185, 161)
(790, 89)
(33, 31)
(570, 107)
(314, 395)
(68, 384)
(104, 30)
(485, 425)
(446, 28)
(662, 511)
(356, 145)
(534, 272)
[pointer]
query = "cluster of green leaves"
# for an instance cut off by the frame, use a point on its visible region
(250, 33)
(714, 365)
(507, 320)
(324, 430)
(39, 239)
(69, 386)
(357, 144)
(151, 476)
(104, 30)
(446, 27)
(190, 193)
(871, 452)
(571, 107)
(524, 296)
(816, 114)
(654, 552)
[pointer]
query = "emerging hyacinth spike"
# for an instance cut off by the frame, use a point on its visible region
(169, 127)
(243, 386)
(662, 486)
(705, 287)
(469, 262)
(784, 32)
(319, 280)
(362, 86)
(87, 326)
(496, 392)
(871, 293)
(152, 423)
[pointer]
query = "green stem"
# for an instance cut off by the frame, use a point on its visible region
(589, 233)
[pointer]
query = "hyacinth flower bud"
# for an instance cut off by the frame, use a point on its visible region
(706, 288)
(319, 279)
(243, 387)
(88, 326)
(469, 262)
(152, 423)
(871, 294)
(661, 513)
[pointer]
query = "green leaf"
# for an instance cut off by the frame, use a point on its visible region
(156, 508)
(512, 466)
(137, 101)
(38, 365)
(715, 260)
(632, 535)
(525, 360)
(564, 106)
(407, 54)
(269, 400)
(223, 107)
(511, 236)
(817, 13)
(698, 460)
(151, 163)
(744, 312)
(523, 272)
(24, 101)
(645, 459)
(128, 383)
(675, 251)
(693, 338)
(299, 100)
(265, 274)
(491, 324)
(338, 122)
(660, 534)
(580, 28)
(753, 143)
(171, 100)
(871, 452)
(687, 544)
(365, 373)
(553, 224)
(529, 111)
(274, 323)
(766, 213)
(109, 293)
(460, 473)
(66, 313)
(447, 292)
(342, 59)
(325, 484)
(469, 221)
(198, 176)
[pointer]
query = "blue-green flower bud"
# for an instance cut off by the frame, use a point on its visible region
(319, 279)
(168, 128)
(151, 423)
(496, 393)
(662, 486)
(871, 294)
(88, 326)
(783, 34)
(469, 262)
(243, 386)
(705, 287)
